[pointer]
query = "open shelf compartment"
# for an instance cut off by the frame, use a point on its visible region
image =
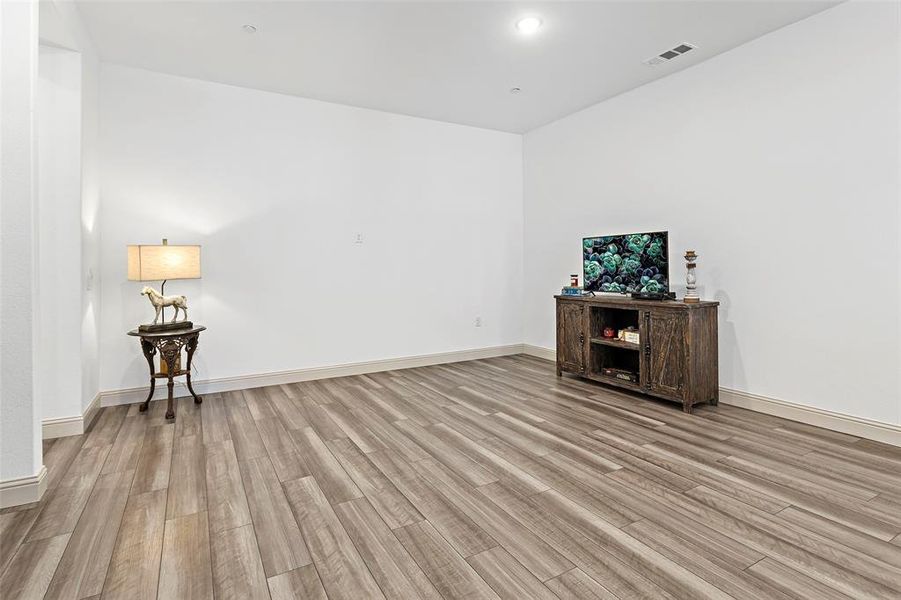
(611, 352)
(617, 318)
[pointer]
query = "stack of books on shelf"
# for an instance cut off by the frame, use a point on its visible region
(572, 291)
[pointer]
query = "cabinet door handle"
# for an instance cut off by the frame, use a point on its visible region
(647, 349)
(581, 338)
(647, 334)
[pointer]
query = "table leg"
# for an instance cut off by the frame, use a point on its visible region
(170, 414)
(149, 351)
(169, 351)
(192, 346)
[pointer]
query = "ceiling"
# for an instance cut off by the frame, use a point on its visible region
(450, 61)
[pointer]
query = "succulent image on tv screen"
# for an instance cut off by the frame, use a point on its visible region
(637, 262)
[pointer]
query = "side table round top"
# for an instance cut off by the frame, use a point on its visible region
(170, 333)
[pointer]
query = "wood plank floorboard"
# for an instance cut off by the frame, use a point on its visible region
(63, 506)
(126, 449)
(152, 471)
(237, 567)
(393, 568)
(59, 456)
(186, 565)
(507, 577)
(32, 567)
(576, 585)
(393, 507)
(483, 479)
(83, 567)
(302, 583)
(339, 564)
(278, 537)
(226, 500)
(135, 566)
(187, 488)
(451, 575)
(539, 558)
(14, 527)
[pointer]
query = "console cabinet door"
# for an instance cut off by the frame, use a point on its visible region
(571, 336)
(666, 353)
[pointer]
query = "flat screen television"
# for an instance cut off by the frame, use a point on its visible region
(634, 262)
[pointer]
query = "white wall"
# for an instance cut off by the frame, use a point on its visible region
(777, 162)
(90, 228)
(69, 175)
(58, 343)
(20, 426)
(275, 188)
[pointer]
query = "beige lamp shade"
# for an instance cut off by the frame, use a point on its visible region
(159, 262)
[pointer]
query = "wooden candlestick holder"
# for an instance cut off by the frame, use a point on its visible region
(691, 294)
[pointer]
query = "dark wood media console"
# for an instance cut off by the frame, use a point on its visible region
(675, 359)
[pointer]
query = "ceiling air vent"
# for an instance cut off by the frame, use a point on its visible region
(670, 54)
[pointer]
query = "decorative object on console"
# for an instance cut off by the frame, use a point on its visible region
(630, 335)
(161, 263)
(691, 294)
(572, 291)
(621, 374)
(574, 280)
(159, 302)
(609, 332)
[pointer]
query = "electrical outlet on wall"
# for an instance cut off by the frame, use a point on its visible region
(358, 239)
(478, 321)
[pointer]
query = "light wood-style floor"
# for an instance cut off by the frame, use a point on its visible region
(482, 479)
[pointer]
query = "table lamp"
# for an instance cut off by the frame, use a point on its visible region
(161, 263)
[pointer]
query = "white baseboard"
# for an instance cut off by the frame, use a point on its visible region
(856, 426)
(23, 490)
(241, 382)
(538, 351)
(91, 412)
(62, 427)
(74, 425)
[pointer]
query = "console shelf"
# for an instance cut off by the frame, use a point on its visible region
(676, 358)
(629, 385)
(616, 343)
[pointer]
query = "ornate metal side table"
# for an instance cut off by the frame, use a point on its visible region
(169, 345)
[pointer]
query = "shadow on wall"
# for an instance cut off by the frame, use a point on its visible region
(732, 370)
(261, 286)
(165, 214)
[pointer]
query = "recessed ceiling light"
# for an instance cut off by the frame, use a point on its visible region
(249, 28)
(528, 25)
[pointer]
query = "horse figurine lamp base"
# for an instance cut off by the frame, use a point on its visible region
(160, 302)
